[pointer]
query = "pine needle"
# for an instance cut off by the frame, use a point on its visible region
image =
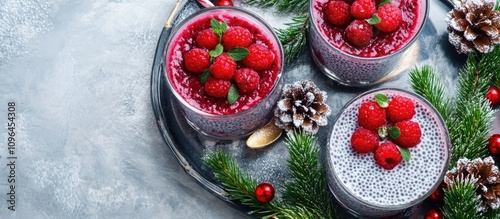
(294, 36)
(460, 202)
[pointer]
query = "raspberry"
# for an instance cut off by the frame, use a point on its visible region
(400, 109)
(337, 13)
(259, 57)
(217, 87)
(371, 116)
(364, 141)
(390, 17)
(207, 39)
(247, 79)
(236, 37)
(363, 9)
(359, 33)
(223, 67)
(410, 134)
(196, 60)
(387, 155)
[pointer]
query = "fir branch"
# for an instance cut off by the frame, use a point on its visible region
(426, 83)
(239, 185)
(283, 6)
(460, 201)
(472, 116)
(294, 36)
(308, 189)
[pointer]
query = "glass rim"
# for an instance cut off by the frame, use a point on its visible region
(447, 146)
(400, 50)
(200, 12)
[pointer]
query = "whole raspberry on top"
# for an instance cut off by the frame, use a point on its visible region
(223, 67)
(259, 57)
(390, 17)
(236, 37)
(400, 108)
(217, 87)
(196, 60)
(363, 9)
(207, 39)
(387, 155)
(371, 116)
(410, 134)
(364, 141)
(337, 13)
(359, 33)
(246, 79)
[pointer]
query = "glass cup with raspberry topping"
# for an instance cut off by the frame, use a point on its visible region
(388, 151)
(224, 66)
(361, 42)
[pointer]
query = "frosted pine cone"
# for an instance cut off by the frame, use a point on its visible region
(474, 24)
(485, 176)
(302, 105)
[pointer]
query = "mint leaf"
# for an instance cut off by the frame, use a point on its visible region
(217, 27)
(384, 2)
(217, 51)
(205, 76)
(394, 132)
(405, 153)
(232, 95)
(374, 20)
(382, 132)
(238, 53)
(382, 100)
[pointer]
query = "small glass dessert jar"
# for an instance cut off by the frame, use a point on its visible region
(363, 186)
(215, 116)
(368, 65)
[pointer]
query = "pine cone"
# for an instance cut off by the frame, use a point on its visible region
(302, 106)
(474, 24)
(485, 176)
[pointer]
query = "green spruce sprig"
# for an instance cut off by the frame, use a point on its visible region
(239, 185)
(305, 194)
(294, 36)
(308, 188)
(460, 201)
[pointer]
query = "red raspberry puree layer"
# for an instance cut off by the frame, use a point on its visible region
(190, 87)
(383, 43)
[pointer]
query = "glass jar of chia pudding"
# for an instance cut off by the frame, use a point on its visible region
(213, 116)
(363, 66)
(366, 189)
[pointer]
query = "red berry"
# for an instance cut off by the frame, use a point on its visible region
(359, 33)
(259, 57)
(224, 3)
(207, 39)
(363, 9)
(236, 37)
(264, 192)
(371, 116)
(217, 87)
(390, 17)
(438, 194)
(494, 144)
(223, 67)
(337, 13)
(433, 214)
(247, 80)
(364, 141)
(410, 134)
(400, 108)
(493, 95)
(196, 60)
(387, 155)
